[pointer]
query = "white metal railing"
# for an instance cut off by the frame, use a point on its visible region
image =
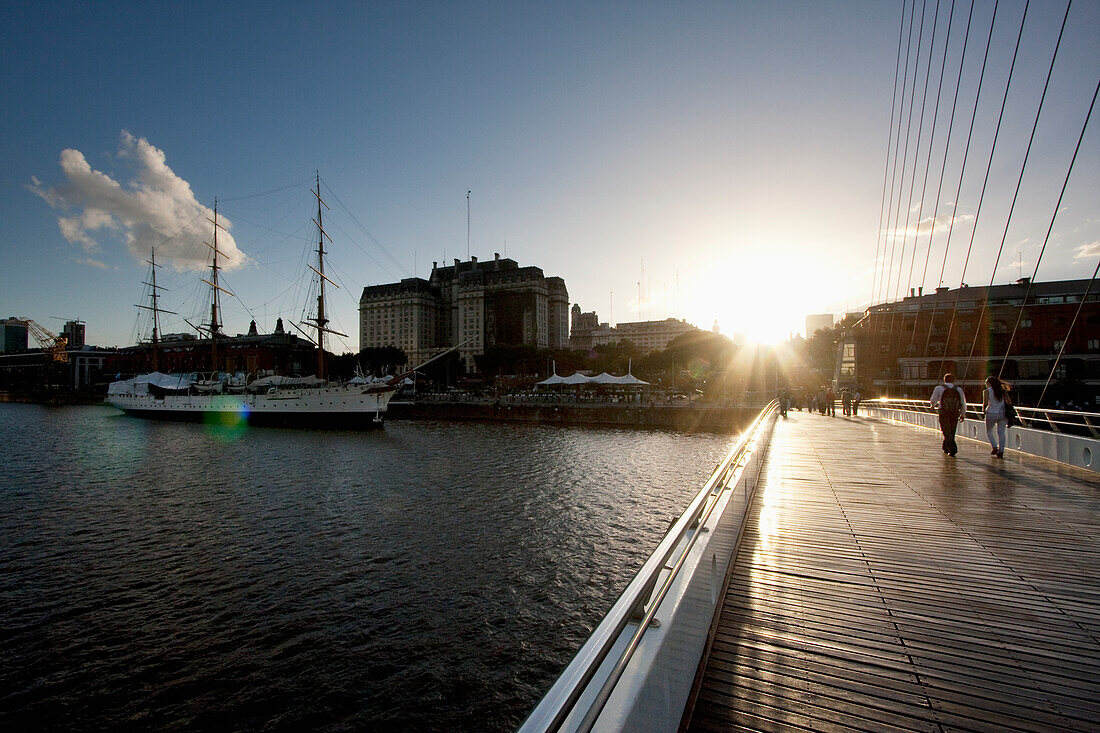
(1066, 436)
(582, 692)
(1073, 422)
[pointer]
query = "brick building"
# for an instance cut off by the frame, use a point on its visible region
(905, 347)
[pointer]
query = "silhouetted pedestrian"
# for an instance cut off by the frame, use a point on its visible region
(994, 401)
(950, 401)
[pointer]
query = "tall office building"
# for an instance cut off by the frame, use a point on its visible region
(74, 334)
(815, 323)
(475, 304)
(13, 336)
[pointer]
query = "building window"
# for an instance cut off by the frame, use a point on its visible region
(1025, 323)
(1094, 344)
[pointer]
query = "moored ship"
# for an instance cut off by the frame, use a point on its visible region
(265, 401)
(268, 400)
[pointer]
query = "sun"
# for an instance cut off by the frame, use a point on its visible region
(765, 300)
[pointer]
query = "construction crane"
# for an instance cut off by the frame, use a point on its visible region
(50, 343)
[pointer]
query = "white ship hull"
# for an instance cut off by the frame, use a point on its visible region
(338, 406)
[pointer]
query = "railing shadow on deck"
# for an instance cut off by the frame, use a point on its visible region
(637, 668)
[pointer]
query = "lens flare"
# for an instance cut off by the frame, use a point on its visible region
(228, 419)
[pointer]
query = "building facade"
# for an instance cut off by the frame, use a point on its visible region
(583, 328)
(74, 334)
(474, 305)
(1037, 336)
(648, 336)
(817, 322)
(13, 336)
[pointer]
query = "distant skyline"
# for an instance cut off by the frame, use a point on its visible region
(702, 161)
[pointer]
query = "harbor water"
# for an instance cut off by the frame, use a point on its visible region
(428, 576)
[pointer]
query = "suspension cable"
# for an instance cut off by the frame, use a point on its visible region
(888, 271)
(946, 149)
(1068, 332)
(904, 162)
(886, 167)
(916, 156)
(985, 181)
(962, 171)
(1023, 167)
(1050, 228)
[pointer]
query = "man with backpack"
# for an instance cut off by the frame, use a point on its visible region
(950, 401)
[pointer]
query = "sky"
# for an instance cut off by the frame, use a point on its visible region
(711, 161)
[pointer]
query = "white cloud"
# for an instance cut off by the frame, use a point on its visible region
(155, 208)
(93, 263)
(943, 223)
(1087, 251)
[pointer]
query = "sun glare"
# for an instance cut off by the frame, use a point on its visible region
(763, 299)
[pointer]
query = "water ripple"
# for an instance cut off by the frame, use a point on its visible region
(430, 576)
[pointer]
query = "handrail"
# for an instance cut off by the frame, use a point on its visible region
(1039, 418)
(638, 594)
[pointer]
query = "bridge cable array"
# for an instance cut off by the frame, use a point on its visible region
(985, 181)
(946, 149)
(916, 157)
(875, 280)
(886, 282)
(1016, 194)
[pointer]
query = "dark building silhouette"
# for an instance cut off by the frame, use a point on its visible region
(479, 304)
(905, 347)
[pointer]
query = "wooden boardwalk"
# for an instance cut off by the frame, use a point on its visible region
(881, 585)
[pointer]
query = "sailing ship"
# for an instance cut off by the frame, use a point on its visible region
(268, 400)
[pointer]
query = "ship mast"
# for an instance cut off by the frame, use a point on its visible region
(154, 296)
(321, 322)
(214, 327)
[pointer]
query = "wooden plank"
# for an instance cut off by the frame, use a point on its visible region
(879, 586)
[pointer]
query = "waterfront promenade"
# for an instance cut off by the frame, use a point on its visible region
(881, 585)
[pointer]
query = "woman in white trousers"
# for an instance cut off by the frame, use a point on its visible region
(993, 404)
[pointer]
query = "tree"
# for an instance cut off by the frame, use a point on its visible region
(372, 360)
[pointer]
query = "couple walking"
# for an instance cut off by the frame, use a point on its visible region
(950, 400)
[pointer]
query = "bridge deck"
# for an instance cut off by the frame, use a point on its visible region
(881, 585)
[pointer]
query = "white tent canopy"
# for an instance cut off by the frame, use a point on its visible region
(628, 380)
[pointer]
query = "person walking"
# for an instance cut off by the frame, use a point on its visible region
(993, 405)
(846, 401)
(830, 403)
(950, 401)
(855, 402)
